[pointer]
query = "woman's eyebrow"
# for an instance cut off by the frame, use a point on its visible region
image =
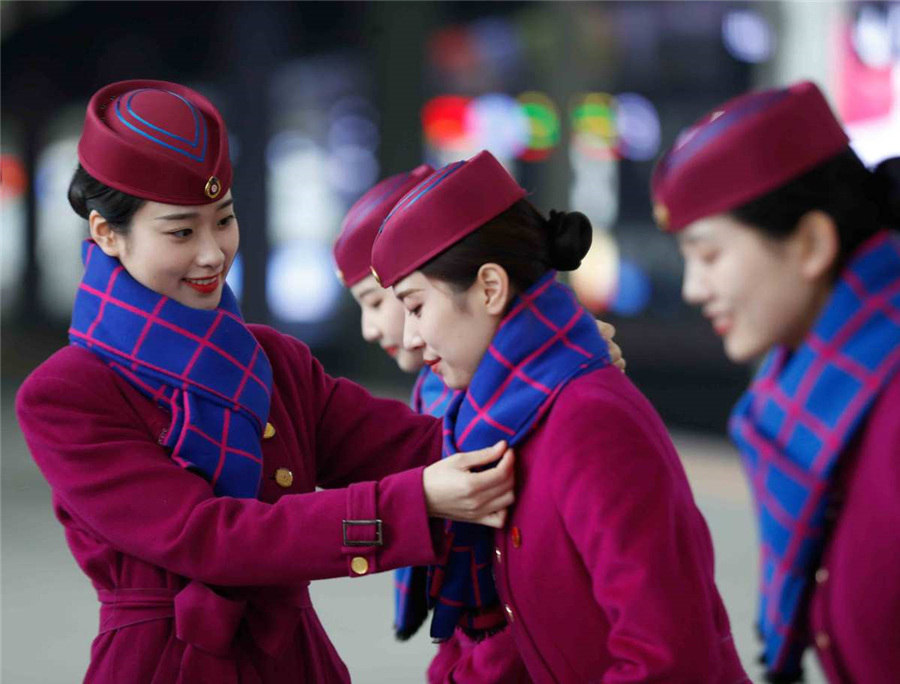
(191, 214)
(406, 293)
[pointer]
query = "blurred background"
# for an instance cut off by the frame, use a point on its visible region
(323, 99)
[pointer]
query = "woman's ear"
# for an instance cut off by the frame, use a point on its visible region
(103, 234)
(492, 285)
(817, 243)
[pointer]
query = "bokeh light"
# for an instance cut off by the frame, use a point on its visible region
(444, 122)
(543, 125)
(300, 283)
(637, 123)
(497, 122)
(747, 36)
(235, 277)
(594, 131)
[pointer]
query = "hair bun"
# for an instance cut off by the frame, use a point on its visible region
(570, 239)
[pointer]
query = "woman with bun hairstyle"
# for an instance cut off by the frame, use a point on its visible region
(184, 447)
(790, 248)
(604, 570)
(460, 658)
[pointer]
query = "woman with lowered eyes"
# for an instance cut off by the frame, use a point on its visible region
(604, 569)
(459, 658)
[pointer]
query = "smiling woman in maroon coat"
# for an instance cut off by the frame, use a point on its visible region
(790, 247)
(184, 447)
(604, 571)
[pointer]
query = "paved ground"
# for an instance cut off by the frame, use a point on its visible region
(49, 611)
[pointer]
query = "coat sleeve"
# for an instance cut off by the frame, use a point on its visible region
(118, 484)
(626, 504)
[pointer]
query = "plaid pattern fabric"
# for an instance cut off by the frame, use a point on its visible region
(546, 340)
(793, 423)
(432, 397)
(205, 367)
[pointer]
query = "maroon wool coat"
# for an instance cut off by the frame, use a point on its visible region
(605, 567)
(198, 588)
(855, 609)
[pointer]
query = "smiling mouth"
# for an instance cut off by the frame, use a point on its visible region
(204, 285)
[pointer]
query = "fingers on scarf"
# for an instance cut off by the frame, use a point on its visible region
(500, 476)
(608, 330)
(615, 355)
(496, 520)
(490, 500)
(481, 457)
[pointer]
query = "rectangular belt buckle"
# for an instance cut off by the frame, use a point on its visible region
(378, 541)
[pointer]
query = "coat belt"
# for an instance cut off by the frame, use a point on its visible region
(208, 622)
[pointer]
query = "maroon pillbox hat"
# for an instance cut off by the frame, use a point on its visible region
(353, 247)
(742, 150)
(439, 212)
(156, 140)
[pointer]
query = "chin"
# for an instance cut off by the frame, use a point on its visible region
(409, 363)
(744, 351)
(455, 383)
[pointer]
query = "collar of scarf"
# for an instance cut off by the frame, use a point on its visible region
(430, 396)
(205, 367)
(797, 417)
(546, 340)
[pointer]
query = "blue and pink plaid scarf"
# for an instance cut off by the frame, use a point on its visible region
(430, 396)
(545, 340)
(204, 367)
(796, 420)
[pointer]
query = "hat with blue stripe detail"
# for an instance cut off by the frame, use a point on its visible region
(353, 247)
(439, 212)
(156, 140)
(742, 150)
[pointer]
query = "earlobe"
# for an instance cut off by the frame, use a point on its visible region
(103, 234)
(820, 244)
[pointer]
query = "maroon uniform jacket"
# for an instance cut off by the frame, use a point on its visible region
(605, 567)
(199, 588)
(855, 607)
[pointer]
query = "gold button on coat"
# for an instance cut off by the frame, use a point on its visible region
(509, 613)
(269, 432)
(821, 575)
(284, 477)
(498, 554)
(359, 565)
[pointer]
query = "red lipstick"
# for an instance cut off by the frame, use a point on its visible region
(204, 285)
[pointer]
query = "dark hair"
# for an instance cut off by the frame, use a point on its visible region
(860, 202)
(86, 193)
(520, 240)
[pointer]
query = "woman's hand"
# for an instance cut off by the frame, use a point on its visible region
(455, 491)
(608, 331)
